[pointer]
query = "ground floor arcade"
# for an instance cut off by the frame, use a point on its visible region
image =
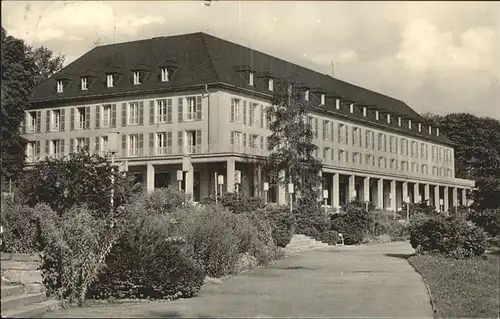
(206, 177)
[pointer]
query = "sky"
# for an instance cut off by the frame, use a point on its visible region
(438, 57)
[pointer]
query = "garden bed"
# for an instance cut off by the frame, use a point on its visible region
(462, 288)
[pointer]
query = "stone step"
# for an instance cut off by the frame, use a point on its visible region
(298, 243)
(19, 265)
(20, 301)
(36, 310)
(12, 290)
(22, 276)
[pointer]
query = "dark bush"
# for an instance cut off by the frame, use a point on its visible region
(282, 223)
(353, 223)
(147, 262)
(331, 237)
(448, 236)
(236, 203)
(488, 219)
(310, 219)
(21, 226)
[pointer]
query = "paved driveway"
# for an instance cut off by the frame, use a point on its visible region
(363, 281)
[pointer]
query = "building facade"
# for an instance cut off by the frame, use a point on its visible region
(199, 104)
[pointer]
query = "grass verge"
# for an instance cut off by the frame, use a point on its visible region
(462, 288)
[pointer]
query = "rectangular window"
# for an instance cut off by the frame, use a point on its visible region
(161, 143)
(341, 132)
(161, 106)
(133, 145)
(133, 113)
(342, 156)
(236, 139)
(137, 77)
(306, 95)
(326, 153)
(106, 116)
(81, 143)
(356, 158)
(381, 141)
(250, 78)
(56, 120)
(413, 167)
(190, 114)
(193, 141)
(322, 99)
(109, 80)
(236, 112)
(271, 84)
(31, 126)
(326, 136)
(104, 145)
(81, 118)
(60, 86)
(56, 148)
(253, 140)
(356, 136)
(84, 84)
(164, 75)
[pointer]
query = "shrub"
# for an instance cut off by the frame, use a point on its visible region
(488, 219)
(147, 262)
(71, 256)
(448, 236)
(236, 203)
(354, 223)
(77, 179)
(384, 224)
(164, 201)
(21, 227)
(310, 219)
(331, 237)
(282, 224)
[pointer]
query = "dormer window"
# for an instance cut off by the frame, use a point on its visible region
(364, 111)
(165, 76)
(351, 108)
(388, 118)
(323, 102)
(137, 77)
(420, 127)
(409, 124)
(109, 80)
(337, 104)
(430, 130)
(377, 115)
(84, 84)
(306, 95)
(399, 120)
(270, 84)
(60, 86)
(250, 78)
(437, 131)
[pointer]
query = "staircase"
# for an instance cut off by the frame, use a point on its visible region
(23, 294)
(300, 243)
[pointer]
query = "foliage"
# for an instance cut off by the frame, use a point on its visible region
(22, 68)
(331, 237)
(291, 142)
(46, 62)
(79, 179)
(397, 230)
(488, 219)
(147, 261)
(72, 251)
(218, 237)
(236, 203)
(354, 223)
(282, 223)
(476, 153)
(310, 218)
(467, 288)
(448, 236)
(164, 201)
(21, 227)
(17, 83)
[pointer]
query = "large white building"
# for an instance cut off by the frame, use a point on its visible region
(198, 103)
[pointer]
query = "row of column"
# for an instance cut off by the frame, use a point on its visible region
(379, 194)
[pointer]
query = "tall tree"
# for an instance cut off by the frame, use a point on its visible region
(292, 146)
(17, 83)
(477, 153)
(46, 62)
(23, 67)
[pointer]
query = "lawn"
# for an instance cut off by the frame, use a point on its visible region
(462, 288)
